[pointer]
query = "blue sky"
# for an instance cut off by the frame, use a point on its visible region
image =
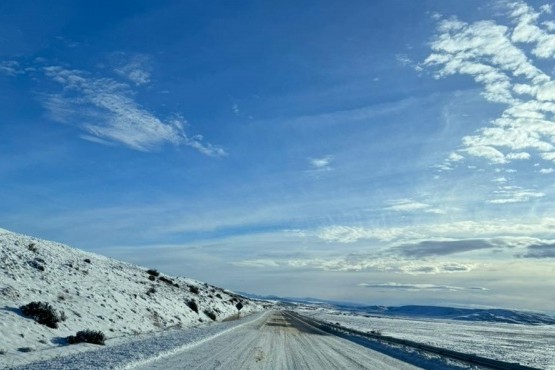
(379, 152)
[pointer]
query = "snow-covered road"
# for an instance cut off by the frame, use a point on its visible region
(278, 340)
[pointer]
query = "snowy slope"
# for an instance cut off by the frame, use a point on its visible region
(97, 293)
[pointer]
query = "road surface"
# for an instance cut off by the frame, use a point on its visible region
(277, 340)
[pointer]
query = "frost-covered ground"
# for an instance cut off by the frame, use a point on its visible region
(97, 293)
(141, 350)
(531, 345)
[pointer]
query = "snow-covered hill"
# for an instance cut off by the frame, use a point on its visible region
(96, 293)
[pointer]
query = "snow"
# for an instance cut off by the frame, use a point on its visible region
(96, 293)
(278, 341)
(131, 352)
(531, 345)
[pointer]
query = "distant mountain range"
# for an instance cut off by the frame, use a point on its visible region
(415, 311)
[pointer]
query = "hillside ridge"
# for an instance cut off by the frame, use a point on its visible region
(92, 292)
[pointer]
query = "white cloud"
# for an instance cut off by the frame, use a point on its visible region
(436, 211)
(457, 229)
(548, 157)
(547, 170)
(519, 155)
(357, 262)
(455, 157)
(106, 110)
(527, 30)
(487, 152)
(320, 162)
(419, 287)
(259, 263)
(235, 109)
(135, 68)
(406, 205)
(514, 194)
(10, 68)
(320, 165)
(495, 56)
(405, 60)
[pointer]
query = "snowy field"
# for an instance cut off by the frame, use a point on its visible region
(526, 344)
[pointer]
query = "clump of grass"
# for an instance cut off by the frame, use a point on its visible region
(153, 272)
(43, 313)
(166, 280)
(87, 336)
(32, 247)
(192, 305)
(210, 314)
(193, 289)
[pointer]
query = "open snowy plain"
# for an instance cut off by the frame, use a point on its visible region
(530, 345)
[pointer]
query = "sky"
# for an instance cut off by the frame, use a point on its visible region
(380, 152)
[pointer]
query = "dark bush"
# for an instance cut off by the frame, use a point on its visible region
(87, 260)
(32, 247)
(150, 291)
(87, 336)
(219, 295)
(153, 272)
(210, 314)
(193, 305)
(166, 280)
(151, 277)
(36, 264)
(43, 313)
(193, 289)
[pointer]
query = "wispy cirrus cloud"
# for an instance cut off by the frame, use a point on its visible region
(10, 68)
(457, 229)
(319, 165)
(135, 68)
(419, 287)
(106, 111)
(498, 58)
(408, 205)
(363, 262)
(514, 194)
